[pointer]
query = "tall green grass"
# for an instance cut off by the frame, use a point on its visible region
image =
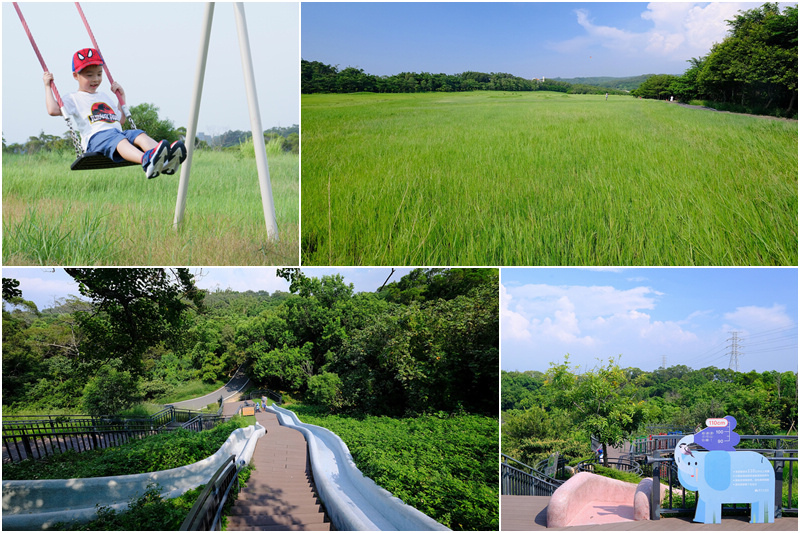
(543, 179)
(54, 216)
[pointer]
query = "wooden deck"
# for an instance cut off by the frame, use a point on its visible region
(529, 513)
(280, 493)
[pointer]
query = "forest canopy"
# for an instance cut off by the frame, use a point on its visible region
(317, 77)
(540, 416)
(428, 342)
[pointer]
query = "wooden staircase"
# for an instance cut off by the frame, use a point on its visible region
(280, 494)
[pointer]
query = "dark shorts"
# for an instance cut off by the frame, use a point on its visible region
(106, 142)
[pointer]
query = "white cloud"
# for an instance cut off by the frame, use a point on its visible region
(514, 325)
(584, 316)
(755, 318)
(680, 30)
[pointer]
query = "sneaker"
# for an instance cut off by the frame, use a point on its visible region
(153, 160)
(177, 155)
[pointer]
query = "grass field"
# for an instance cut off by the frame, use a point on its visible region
(54, 216)
(543, 178)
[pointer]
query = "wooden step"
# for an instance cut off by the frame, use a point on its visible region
(277, 519)
(280, 494)
(247, 508)
(326, 526)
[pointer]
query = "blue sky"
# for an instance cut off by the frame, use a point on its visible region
(527, 39)
(44, 285)
(160, 68)
(642, 314)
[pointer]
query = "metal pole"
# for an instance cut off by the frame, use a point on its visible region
(191, 128)
(255, 123)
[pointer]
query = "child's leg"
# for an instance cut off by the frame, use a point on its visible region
(144, 142)
(129, 152)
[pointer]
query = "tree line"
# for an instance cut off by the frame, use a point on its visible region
(426, 343)
(558, 410)
(146, 117)
(754, 69)
(317, 77)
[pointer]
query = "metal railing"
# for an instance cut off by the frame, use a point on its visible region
(206, 512)
(655, 442)
(36, 438)
(622, 464)
(519, 479)
(664, 468)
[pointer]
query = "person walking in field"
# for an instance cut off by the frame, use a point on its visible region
(100, 122)
(606, 97)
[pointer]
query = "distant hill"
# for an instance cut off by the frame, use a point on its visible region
(624, 84)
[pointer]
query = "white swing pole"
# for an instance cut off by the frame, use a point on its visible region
(255, 123)
(191, 128)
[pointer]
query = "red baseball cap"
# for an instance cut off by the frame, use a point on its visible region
(85, 58)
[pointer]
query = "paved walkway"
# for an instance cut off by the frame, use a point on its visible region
(280, 494)
(236, 383)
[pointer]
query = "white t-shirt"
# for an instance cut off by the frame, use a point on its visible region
(92, 113)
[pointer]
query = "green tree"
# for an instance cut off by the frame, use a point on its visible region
(10, 289)
(658, 87)
(110, 391)
(602, 401)
(756, 64)
(285, 368)
(146, 118)
(134, 309)
(326, 389)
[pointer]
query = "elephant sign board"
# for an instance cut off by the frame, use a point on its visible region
(724, 475)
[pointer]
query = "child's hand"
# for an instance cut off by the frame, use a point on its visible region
(117, 88)
(47, 77)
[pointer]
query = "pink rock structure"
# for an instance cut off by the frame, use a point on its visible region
(587, 499)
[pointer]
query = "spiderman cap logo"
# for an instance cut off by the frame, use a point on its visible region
(84, 58)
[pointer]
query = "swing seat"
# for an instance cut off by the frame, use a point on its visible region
(97, 161)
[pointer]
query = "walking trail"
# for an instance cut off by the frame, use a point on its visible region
(280, 494)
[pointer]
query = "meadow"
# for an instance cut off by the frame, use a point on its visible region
(55, 216)
(541, 178)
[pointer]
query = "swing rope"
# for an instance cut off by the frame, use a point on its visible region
(75, 140)
(122, 104)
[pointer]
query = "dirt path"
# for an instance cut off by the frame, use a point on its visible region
(732, 113)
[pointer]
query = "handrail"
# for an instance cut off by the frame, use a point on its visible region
(33, 438)
(519, 478)
(630, 466)
(206, 512)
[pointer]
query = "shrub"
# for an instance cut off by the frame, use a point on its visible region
(148, 512)
(110, 391)
(326, 389)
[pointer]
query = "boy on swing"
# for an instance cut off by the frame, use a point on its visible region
(100, 123)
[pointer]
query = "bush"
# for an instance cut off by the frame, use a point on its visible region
(148, 512)
(444, 465)
(326, 389)
(109, 392)
(150, 454)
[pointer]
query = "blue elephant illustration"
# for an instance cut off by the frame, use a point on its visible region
(722, 476)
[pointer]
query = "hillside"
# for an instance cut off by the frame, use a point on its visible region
(624, 84)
